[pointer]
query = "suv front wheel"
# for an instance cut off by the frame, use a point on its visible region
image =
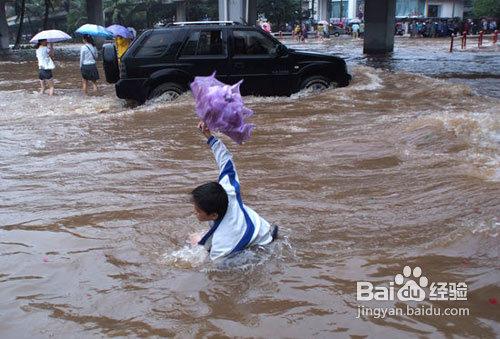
(316, 84)
(169, 90)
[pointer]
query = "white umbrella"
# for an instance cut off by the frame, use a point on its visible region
(355, 21)
(52, 35)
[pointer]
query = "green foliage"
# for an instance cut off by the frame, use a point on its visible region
(279, 12)
(201, 10)
(77, 15)
(486, 8)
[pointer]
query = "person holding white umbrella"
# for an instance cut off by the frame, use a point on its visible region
(45, 65)
(45, 54)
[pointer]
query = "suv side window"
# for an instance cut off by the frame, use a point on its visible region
(155, 45)
(207, 42)
(248, 42)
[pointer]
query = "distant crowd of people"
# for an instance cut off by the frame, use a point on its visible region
(427, 28)
(432, 28)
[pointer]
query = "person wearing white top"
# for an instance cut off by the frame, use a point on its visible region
(45, 66)
(88, 68)
(233, 225)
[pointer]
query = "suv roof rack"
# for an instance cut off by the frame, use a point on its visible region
(227, 23)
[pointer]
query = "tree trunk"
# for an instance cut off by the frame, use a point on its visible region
(94, 12)
(4, 28)
(46, 15)
(20, 28)
(30, 24)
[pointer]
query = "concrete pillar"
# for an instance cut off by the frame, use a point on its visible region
(94, 12)
(379, 26)
(323, 10)
(251, 12)
(238, 10)
(222, 10)
(351, 10)
(181, 11)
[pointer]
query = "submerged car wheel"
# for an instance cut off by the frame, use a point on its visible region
(316, 84)
(169, 90)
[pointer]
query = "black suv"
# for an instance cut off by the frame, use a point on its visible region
(164, 61)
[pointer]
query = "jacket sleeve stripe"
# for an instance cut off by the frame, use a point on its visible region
(247, 236)
(209, 233)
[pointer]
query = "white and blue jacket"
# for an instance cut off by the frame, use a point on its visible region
(241, 226)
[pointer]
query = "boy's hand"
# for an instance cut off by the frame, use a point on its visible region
(194, 238)
(204, 129)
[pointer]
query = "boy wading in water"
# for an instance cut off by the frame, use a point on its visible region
(45, 66)
(234, 226)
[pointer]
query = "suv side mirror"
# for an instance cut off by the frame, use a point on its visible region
(280, 50)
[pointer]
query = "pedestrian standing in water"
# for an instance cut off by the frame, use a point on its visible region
(88, 57)
(45, 66)
(122, 44)
(355, 31)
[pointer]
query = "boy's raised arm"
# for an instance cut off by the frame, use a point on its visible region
(223, 157)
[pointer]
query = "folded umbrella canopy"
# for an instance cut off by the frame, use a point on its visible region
(221, 108)
(52, 35)
(95, 31)
(119, 30)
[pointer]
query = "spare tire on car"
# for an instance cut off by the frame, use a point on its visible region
(110, 63)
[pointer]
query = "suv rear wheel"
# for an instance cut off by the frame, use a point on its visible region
(169, 90)
(316, 84)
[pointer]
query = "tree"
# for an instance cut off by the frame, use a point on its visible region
(279, 12)
(20, 28)
(77, 15)
(94, 12)
(486, 8)
(46, 15)
(4, 28)
(197, 10)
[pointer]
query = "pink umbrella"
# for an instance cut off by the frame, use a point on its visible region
(221, 108)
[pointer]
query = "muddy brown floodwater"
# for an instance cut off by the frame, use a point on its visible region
(397, 169)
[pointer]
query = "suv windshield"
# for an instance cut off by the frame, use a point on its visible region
(252, 43)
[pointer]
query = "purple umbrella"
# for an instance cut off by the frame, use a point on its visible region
(119, 30)
(221, 108)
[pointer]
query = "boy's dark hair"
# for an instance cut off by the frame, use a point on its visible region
(211, 198)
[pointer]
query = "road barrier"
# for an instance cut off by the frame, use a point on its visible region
(480, 38)
(464, 40)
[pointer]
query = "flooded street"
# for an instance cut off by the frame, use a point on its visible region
(399, 168)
